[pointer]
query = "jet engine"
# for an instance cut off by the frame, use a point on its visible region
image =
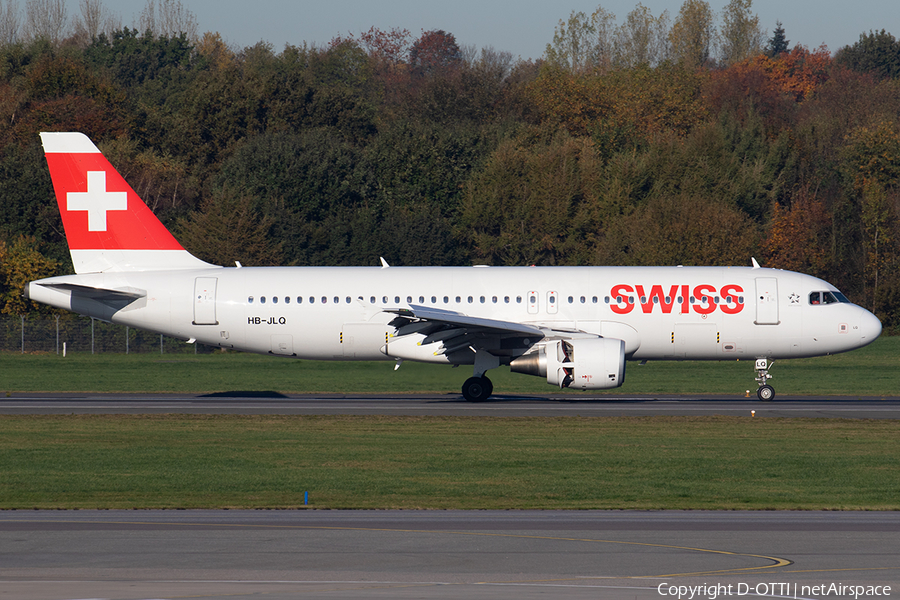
(585, 364)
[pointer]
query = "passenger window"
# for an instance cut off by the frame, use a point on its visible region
(250, 300)
(583, 299)
(494, 299)
(299, 299)
(348, 300)
(506, 299)
(274, 299)
(396, 299)
(434, 299)
(571, 299)
(262, 300)
(481, 299)
(446, 299)
(409, 299)
(471, 299)
(458, 299)
(337, 300)
(287, 299)
(594, 299)
(384, 300)
(518, 299)
(324, 300)
(371, 299)
(312, 300)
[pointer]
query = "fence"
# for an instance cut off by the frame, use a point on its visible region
(85, 334)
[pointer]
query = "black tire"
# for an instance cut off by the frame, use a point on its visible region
(490, 386)
(477, 389)
(765, 393)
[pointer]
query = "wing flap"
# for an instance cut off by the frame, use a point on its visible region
(418, 314)
(459, 334)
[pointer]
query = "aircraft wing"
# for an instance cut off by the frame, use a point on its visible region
(457, 331)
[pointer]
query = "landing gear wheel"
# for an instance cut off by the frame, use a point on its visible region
(477, 389)
(765, 392)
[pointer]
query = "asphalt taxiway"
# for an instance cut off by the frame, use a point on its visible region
(848, 407)
(443, 554)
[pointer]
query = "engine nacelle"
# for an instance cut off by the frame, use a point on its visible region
(586, 364)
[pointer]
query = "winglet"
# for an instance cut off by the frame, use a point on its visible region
(754, 263)
(384, 263)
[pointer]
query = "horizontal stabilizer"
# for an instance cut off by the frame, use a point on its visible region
(126, 294)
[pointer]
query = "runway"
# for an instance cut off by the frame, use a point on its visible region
(442, 554)
(450, 405)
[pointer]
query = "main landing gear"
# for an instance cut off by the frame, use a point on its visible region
(765, 392)
(477, 389)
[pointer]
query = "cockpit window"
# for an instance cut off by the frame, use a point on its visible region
(827, 298)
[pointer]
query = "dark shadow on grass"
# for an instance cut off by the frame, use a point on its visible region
(244, 394)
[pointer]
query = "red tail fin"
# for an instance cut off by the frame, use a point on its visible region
(108, 227)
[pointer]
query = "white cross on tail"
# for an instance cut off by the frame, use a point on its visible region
(96, 200)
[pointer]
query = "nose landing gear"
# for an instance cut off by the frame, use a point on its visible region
(765, 392)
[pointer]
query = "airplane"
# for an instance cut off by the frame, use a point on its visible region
(574, 326)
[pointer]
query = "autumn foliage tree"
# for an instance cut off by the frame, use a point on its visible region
(638, 141)
(799, 236)
(873, 164)
(22, 262)
(692, 38)
(435, 51)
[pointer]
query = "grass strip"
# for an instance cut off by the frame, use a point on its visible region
(123, 462)
(870, 371)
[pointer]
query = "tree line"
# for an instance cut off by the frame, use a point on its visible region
(653, 142)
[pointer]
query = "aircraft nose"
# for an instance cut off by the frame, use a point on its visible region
(869, 327)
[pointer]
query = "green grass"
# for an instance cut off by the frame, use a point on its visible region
(874, 370)
(447, 462)
(474, 463)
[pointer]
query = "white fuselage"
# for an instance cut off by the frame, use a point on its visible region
(337, 313)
